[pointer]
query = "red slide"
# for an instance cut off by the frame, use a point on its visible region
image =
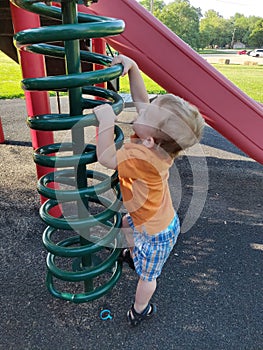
(180, 70)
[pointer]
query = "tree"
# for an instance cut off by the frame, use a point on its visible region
(183, 20)
(256, 36)
(240, 25)
(152, 5)
(209, 30)
(215, 30)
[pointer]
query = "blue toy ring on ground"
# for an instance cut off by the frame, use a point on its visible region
(105, 315)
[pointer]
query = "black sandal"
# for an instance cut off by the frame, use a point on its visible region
(126, 257)
(135, 318)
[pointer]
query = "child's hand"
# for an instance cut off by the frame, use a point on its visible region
(127, 63)
(105, 113)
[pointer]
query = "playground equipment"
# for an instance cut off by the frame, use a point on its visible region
(2, 137)
(75, 258)
(169, 61)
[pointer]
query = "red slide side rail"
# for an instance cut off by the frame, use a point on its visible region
(170, 62)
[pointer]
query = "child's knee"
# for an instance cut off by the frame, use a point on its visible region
(125, 223)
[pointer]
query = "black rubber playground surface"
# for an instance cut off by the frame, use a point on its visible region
(210, 293)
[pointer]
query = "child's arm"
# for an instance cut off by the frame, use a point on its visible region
(137, 86)
(106, 150)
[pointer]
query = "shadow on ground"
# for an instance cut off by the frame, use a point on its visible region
(210, 292)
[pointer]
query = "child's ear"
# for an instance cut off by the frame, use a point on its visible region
(148, 142)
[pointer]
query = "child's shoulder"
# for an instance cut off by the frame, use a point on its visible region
(138, 153)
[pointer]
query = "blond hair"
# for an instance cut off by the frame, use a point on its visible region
(181, 127)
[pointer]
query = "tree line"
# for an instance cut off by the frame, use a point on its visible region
(209, 29)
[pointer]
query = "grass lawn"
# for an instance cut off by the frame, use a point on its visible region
(10, 73)
(247, 78)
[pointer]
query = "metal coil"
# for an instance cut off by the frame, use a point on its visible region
(82, 247)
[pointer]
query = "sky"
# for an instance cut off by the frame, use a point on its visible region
(229, 8)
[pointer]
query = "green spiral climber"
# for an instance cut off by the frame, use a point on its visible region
(75, 253)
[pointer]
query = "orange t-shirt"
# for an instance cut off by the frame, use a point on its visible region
(143, 175)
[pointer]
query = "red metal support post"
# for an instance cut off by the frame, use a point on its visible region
(2, 137)
(37, 102)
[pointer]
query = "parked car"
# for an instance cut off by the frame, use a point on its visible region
(257, 53)
(242, 52)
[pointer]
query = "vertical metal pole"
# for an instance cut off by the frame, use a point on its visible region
(151, 6)
(99, 46)
(233, 38)
(72, 51)
(2, 137)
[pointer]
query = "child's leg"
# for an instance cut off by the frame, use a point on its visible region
(144, 293)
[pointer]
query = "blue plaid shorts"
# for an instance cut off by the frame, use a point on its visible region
(150, 252)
